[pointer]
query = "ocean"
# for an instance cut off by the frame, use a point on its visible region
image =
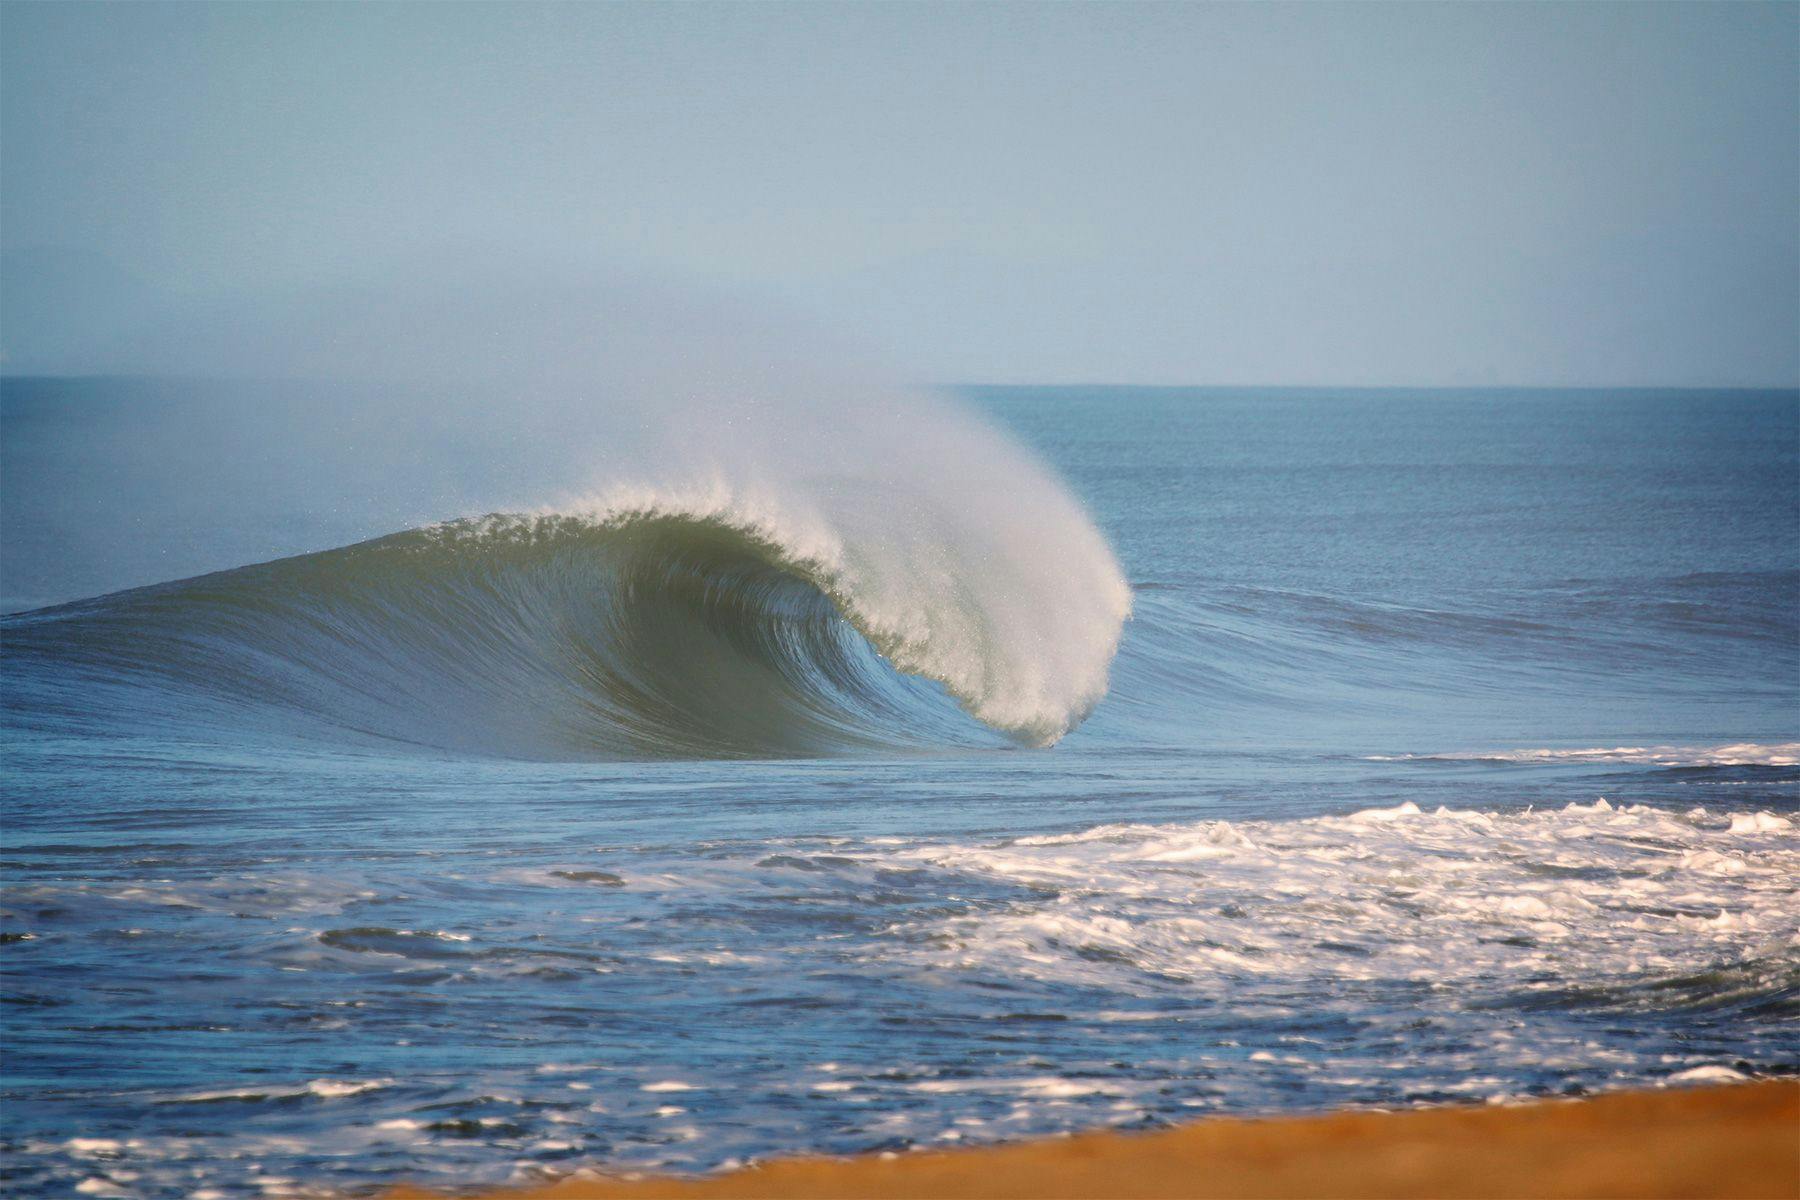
(468, 793)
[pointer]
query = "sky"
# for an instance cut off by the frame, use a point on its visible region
(1427, 194)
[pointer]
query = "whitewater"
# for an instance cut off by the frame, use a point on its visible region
(601, 737)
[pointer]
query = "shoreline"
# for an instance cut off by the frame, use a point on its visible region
(1733, 1140)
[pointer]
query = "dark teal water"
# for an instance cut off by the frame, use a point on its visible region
(1450, 754)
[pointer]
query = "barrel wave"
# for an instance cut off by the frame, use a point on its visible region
(644, 625)
(496, 511)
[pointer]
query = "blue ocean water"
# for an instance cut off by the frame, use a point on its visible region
(1451, 752)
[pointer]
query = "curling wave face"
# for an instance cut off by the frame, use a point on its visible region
(626, 632)
(543, 524)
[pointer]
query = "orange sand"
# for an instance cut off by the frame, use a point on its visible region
(1741, 1140)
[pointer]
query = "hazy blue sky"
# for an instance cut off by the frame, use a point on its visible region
(1597, 193)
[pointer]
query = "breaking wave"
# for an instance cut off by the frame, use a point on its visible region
(646, 629)
(500, 513)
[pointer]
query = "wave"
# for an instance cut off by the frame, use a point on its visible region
(501, 512)
(493, 508)
(645, 626)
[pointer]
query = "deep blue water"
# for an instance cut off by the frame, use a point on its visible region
(1449, 754)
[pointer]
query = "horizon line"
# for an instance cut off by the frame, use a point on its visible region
(1067, 385)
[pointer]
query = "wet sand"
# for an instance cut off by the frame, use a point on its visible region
(1740, 1140)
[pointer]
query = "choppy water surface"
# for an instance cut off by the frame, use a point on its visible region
(1452, 752)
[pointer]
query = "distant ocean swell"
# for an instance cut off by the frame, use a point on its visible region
(647, 626)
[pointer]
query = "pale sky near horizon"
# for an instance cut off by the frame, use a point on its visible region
(1558, 194)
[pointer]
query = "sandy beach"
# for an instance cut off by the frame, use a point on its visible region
(1726, 1141)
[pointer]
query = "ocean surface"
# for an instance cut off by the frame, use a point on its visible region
(466, 794)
